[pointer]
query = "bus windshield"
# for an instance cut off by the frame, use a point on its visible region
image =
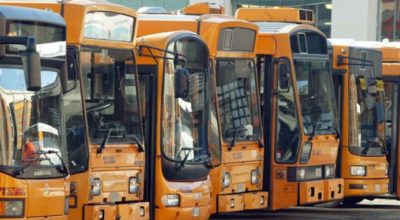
(32, 125)
(185, 125)
(237, 99)
(367, 116)
(111, 95)
(315, 88)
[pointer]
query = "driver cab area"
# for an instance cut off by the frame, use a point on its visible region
(111, 95)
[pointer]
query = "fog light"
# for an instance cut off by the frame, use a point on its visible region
(358, 170)
(170, 200)
(232, 203)
(133, 185)
(196, 212)
(142, 211)
(262, 200)
(96, 187)
(254, 176)
(11, 208)
(226, 179)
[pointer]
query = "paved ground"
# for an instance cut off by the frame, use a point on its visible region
(379, 209)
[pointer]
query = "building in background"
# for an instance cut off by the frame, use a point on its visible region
(357, 19)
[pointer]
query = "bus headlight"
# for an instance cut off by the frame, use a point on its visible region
(226, 179)
(300, 173)
(387, 170)
(96, 187)
(329, 171)
(254, 176)
(11, 208)
(133, 185)
(170, 200)
(358, 170)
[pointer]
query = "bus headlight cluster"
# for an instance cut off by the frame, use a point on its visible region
(226, 179)
(133, 185)
(11, 208)
(254, 177)
(300, 173)
(96, 187)
(170, 200)
(329, 171)
(358, 171)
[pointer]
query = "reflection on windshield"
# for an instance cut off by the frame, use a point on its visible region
(367, 119)
(184, 118)
(237, 99)
(314, 84)
(111, 96)
(31, 123)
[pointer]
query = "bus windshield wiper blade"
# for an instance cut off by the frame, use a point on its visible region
(57, 154)
(105, 141)
(237, 130)
(137, 142)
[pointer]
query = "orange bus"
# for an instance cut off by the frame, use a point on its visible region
(104, 128)
(391, 77)
(359, 88)
(175, 82)
(297, 100)
(33, 154)
(237, 152)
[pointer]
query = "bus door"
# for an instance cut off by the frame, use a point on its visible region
(392, 113)
(281, 129)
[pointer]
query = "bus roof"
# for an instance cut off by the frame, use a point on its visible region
(208, 26)
(75, 15)
(29, 14)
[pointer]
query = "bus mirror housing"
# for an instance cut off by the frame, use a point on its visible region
(30, 59)
(284, 75)
(181, 83)
(32, 68)
(70, 70)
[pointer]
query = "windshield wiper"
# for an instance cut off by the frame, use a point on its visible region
(188, 151)
(257, 138)
(137, 142)
(105, 141)
(41, 152)
(237, 130)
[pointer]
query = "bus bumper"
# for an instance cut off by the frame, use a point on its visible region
(311, 192)
(333, 189)
(243, 201)
(117, 211)
(365, 187)
(184, 213)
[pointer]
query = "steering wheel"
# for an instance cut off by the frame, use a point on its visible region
(100, 106)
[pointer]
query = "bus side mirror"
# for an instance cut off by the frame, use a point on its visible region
(32, 69)
(69, 70)
(284, 76)
(181, 83)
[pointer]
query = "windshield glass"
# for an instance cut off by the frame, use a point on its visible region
(185, 115)
(367, 116)
(31, 124)
(111, 95)
(237, 99)
(315, 87)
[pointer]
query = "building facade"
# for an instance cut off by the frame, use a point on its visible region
(357, 19)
